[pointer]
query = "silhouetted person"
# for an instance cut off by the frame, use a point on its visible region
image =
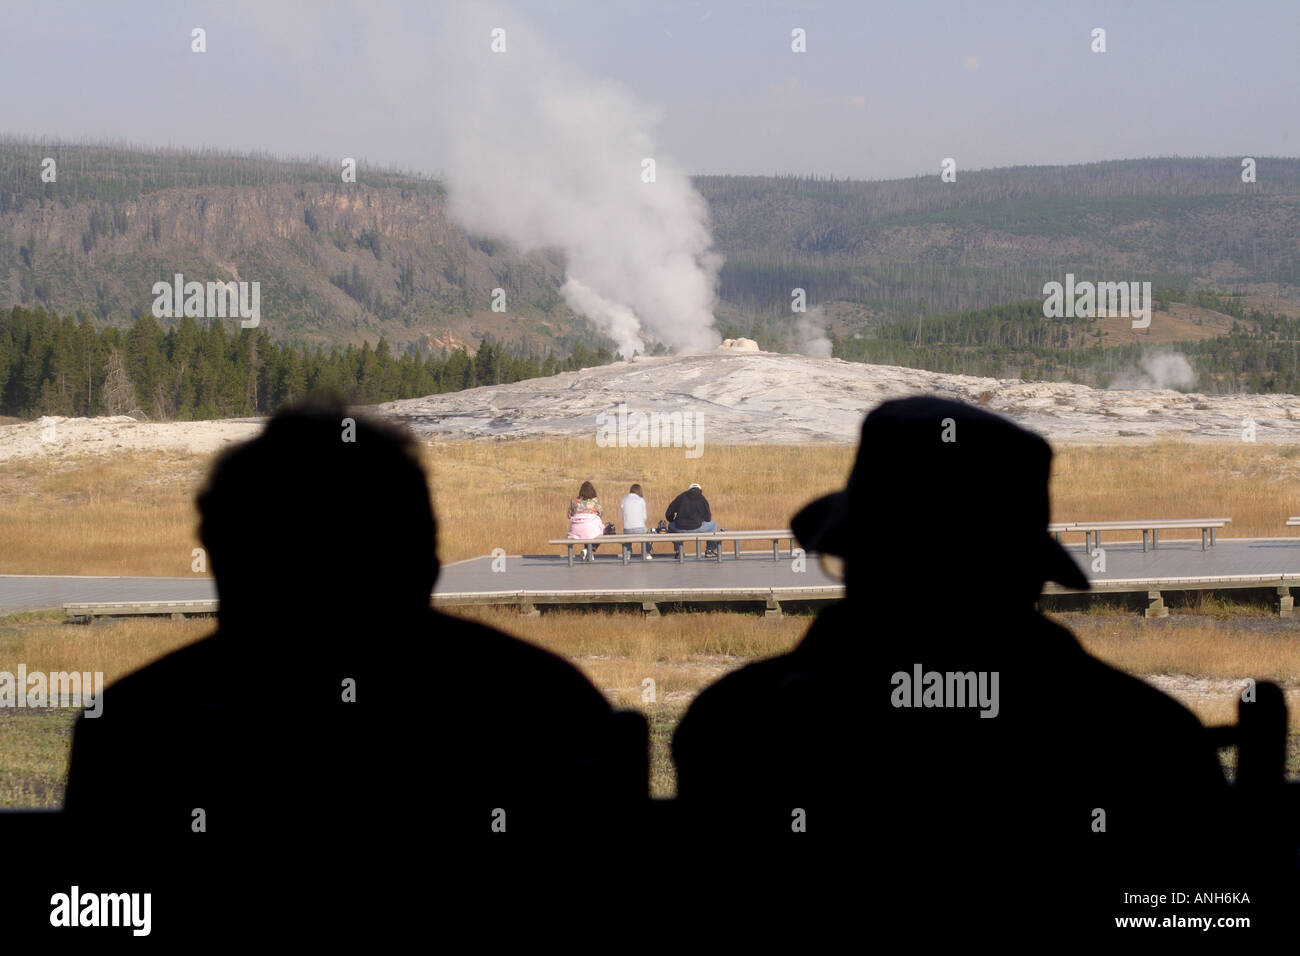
(335, 721)
(962, 792)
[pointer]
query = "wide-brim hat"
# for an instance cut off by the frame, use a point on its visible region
(930, 465)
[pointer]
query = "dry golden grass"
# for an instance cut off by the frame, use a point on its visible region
(681, 652)
(115, 646)
(1258, 486)
(1201, 664)
(1221, 650)
(523, 488)
(103, 514)
(34, 744)
(134, 514)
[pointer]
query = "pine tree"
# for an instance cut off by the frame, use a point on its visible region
(118, 393)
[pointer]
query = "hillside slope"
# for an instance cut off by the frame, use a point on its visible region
(337, 262)
(346, 262)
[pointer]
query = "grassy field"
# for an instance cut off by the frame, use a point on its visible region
(67, 517)
(1199, 659)
(34, 743)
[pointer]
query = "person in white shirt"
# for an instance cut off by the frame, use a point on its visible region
(634, 521)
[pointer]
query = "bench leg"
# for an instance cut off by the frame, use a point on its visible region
(1203, 539)
(1155, 539)
(1211, 537)
(650, 608)
(717, 549)
(776, 550)
(773, 610)
(697, 549)
(1144, 541)
(570, 555)
(1285, 602)
(736, 549)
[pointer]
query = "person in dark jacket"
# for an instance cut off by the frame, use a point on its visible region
(934, 725)
(255, 756)
(689, 511)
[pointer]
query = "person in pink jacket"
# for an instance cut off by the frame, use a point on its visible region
(586, 520)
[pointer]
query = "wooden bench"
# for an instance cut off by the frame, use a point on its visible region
(1093, 529)
(1292, 522)
(776, 536)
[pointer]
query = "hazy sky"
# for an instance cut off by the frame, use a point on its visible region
(884, 89)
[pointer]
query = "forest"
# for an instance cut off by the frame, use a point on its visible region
(1260, 355)
(58, 365)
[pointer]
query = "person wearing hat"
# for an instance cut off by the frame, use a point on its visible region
(934, 720)
(689, 511)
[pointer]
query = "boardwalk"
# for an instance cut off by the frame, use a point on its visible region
(529, 580)
(44, 592)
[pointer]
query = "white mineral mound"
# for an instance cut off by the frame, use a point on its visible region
(742, 396)
(733, 395)
(59, 437)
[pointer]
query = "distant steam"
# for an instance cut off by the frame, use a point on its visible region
(810, 333)
(1159, 370)
(546, 157)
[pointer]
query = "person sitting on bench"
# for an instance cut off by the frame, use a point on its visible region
(586, 520)
(689, 511)
(634, 521)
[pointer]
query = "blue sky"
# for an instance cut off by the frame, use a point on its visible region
(885, 89)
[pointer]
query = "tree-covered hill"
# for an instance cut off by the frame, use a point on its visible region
(348, 263)
(1259, 353)
(337, 262)
(903, 247)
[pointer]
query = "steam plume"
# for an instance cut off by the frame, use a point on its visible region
(546, 157)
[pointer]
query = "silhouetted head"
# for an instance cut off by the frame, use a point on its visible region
(324, 515)
(587, 490)
(943, 497)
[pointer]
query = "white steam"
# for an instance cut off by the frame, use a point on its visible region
(810, 334)
(546, 157)
(1159, 370)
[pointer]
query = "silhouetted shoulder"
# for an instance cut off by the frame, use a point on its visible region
(507, 670)
(734, 701)
(1161, 737)
(759, 730)
(192, 672)
(750, 692)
